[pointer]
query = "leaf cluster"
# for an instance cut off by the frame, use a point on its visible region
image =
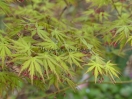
(50, 45)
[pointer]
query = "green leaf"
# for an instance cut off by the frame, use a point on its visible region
(40, 31)
(129, 40)
(33, 65)
(58, 35)
(9, 81)
(22, 46)
(74, 58)
(49, 62)
(72, 85)
(96, 67)
(49, 44)
(99, 67)
(4, 51)
(111, 70)
(125, 29)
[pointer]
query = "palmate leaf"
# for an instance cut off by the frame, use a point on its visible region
(49, 62)
(123, 20)
(33, 64)
(60, 60)
(97, 68)
(63, 64)
(120, 6)
(40, 31)
(95, 42)
(15, 31)
(85, 38)
(129, 40)
(71, 83)
(4, 51)
(22, 46)
(124, 29)
(9, 81)
(89, 46)
(121, 38)
(59, 35)
(49, 44)
(57, 83)
(111, 70)
(74, 58)
(56, 66)
(69, 45)
(53, 80)
(97, 58)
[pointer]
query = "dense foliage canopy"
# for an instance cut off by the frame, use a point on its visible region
(50, 42)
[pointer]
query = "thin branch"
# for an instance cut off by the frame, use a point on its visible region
(93, 82)
(64, 9)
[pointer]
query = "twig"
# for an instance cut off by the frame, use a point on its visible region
(64, 9)
(118, 82)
